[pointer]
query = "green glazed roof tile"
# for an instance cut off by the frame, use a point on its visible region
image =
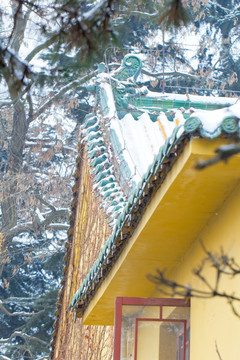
(92, 121)
(93, 144)
(99, 160)
(102, 175)
(94, 136)
(93, 128)
(106, 181)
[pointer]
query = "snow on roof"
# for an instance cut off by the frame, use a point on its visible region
(223, 101)
(128, 144)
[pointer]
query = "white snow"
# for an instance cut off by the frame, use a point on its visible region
(193, 98)
(134, 144)
(235, 109)
(140, 140)
(110, 100)
(211, 120)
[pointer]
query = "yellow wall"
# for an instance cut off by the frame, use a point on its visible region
(213, 321)
(174, 218)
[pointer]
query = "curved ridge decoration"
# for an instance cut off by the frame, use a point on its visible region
(229, 125)
(131, 68)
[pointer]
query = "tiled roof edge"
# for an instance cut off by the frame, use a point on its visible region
(106, 185)
(157, 170)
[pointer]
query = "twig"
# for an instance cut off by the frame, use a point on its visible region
(220, 358)
(223, 154)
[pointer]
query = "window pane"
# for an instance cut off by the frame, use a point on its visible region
(159, 340)
(137, 311)
(129, 315)
(178, 312)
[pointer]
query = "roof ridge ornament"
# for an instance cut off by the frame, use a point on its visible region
(130, 68)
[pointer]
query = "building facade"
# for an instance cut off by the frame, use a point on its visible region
(139, 205)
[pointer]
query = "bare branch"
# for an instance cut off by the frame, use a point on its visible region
(17, 18)
(172, 73)
(32, 227)
(46, 203)
(62, 213)
(3, 357)
(220, 358)
(57, 226)
(30, 112)
(23, 336)
(63, 91)
(140, 13)
(6, 312)
(223, 154)
(223, 266)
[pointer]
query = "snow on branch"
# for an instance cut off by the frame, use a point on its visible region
(217, 5)
(15, 69)
(23, 313)
(3, 357)
(37, 225)
(172, 73)
(141, 13)
(23, 336)
(58, 226)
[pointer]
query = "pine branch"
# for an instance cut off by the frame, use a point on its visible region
(40, 47)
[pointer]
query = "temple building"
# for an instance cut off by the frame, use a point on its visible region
(140, 204)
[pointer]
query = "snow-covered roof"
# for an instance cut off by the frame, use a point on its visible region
(132, 137)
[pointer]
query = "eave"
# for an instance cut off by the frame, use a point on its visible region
(174, 218)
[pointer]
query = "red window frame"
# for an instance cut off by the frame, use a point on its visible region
(120, 301)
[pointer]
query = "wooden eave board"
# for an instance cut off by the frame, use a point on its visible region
(181, 208)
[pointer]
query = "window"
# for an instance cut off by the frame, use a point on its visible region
(151, 328)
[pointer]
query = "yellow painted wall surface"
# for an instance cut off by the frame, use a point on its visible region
(213, 323)
(185, 202)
